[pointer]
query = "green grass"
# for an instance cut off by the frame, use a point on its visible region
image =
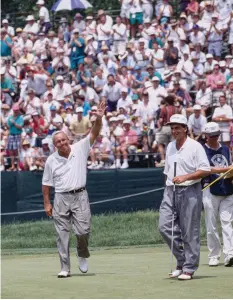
(119, 273)
(122, 229)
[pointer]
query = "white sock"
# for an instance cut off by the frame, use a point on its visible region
(125, 160)
(118, 161)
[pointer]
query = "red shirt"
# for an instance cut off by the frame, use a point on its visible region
(36, 127)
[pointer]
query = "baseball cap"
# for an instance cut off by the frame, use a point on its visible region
(178, 119)
(212, 129)
(94, 107)
(40, 2)
(209, 55)
(222, 63)
(53, 107)
(197, 107)
(137, 68)
(121, 118)
(155, 78)
(45, 141)
(127, 121)
(5, 21)
(79, 109)
(135, 97)
(35, 113)
(124, 90)
(113, 119)
(60, 78)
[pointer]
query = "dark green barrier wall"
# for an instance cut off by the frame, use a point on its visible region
(22, 192)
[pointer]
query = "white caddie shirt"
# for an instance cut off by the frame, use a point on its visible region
(67, 174)
(190, 158)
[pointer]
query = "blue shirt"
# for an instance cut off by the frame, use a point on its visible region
(5, 49)
(86, 108)
(19, 121)
(77, 52)
(6, 83)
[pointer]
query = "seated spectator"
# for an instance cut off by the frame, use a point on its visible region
(42, 155)
(26, 157)
(196, 124)
(55, 121)
(80, 126)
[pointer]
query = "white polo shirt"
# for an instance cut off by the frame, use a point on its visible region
(190, 158)
(67, 174)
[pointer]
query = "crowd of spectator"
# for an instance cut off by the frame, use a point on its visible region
(146, 64)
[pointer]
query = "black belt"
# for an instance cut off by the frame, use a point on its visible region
(75, 191)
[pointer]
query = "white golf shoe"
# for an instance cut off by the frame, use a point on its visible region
(228, 262)
(63, 274)
(83, 265)
(175, 273)
(125, 165)
(214, 262)
(185, 276)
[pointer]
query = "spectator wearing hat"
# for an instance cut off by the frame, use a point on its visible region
(15, 123)
(223, 116)
(10, 71)
(229, 92)
(145, 110)
(20, 43)
(62, 89)
(199, 53)
(61, 64)
(192, 7)
(197, 36)
(53, 40)
(125, 78)
(128, 145)
(9, 29)
(196, 124)
(165, 12)
(31, 26)
(91, 46)
(210, 62)
(29, 57)
(5, 43)
(26, 157)
(112, 93)
(142, 54)
(108, 19)
(105, 51)
(43, 153)
(80, 126)
(89, 93)
(198, 70)
(44, 20)
(39, 126)
(101, 152)
(6, 87)
(48, 101)
(99, 81)
(79, 23)
(175, 32)
(119, 36)
(157, 57)
(31, 103)
(77, 45)
(42, 43)
(5, 113)
(204, 97)
(125, 100)
(230, 75)
(55, 121)
(156, 93)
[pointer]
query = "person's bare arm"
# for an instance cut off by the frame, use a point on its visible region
(47, 204)
(98, 123)
(193, 176)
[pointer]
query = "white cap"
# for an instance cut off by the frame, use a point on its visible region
(35, 113)
(178, 119)
(127, 121)
(222, 63)
(75, 30)
(30, 18)
(215, 15)
(93, 118)
(94, 107)
(209, 55)
(90, 37)
(197, 107)
(230, 81)
(59, 77)
(231, 66)
(45, 141)
(124, 90)
(228, 56)
(212, 129)
(155, 78)
(113, 119)
(141, 40)
(40, 2)
(5, 21)
(121, 118)
(79, 109)
(43, 56)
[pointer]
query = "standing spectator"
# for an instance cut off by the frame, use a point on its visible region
(171, 54)
(77, 45)
(112, 93)
(15, 124)
(44, 21)
(62, 89)
(5, 43)
(6, 87)
(9, 29)
(119, 36)
(223, 116)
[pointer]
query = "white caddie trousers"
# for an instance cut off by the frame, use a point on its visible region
(221, 206)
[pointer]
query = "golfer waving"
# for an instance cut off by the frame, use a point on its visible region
(180, 211)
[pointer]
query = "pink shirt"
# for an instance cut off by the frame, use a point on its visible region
(129, 137)
(212, 80)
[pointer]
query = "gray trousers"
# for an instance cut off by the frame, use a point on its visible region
(187, 208)
(71, 209)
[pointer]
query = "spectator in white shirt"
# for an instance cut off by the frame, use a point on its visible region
(119, 36)
(62, 89)
(125, 100)
(156, 93)
(31, 26)
(44, 17)
(197, 36)
(61, 64)
(79, 23)
(99, 81)
(89, 93)
(103, 32)
(112, 93)
(223, 116)
(9, 29)
(196, 124)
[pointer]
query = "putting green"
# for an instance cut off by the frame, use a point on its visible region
(115, 273)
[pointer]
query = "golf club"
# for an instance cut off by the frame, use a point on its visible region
(217, 179)
(173, 216)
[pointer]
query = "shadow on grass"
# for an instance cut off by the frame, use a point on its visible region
(92, 274)
(219, 265)
(194, 278)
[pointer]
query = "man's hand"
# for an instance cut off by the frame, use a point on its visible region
(101, 109)
(48, 209)
(180, 179)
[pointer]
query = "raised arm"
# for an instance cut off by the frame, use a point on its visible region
(98, 123)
